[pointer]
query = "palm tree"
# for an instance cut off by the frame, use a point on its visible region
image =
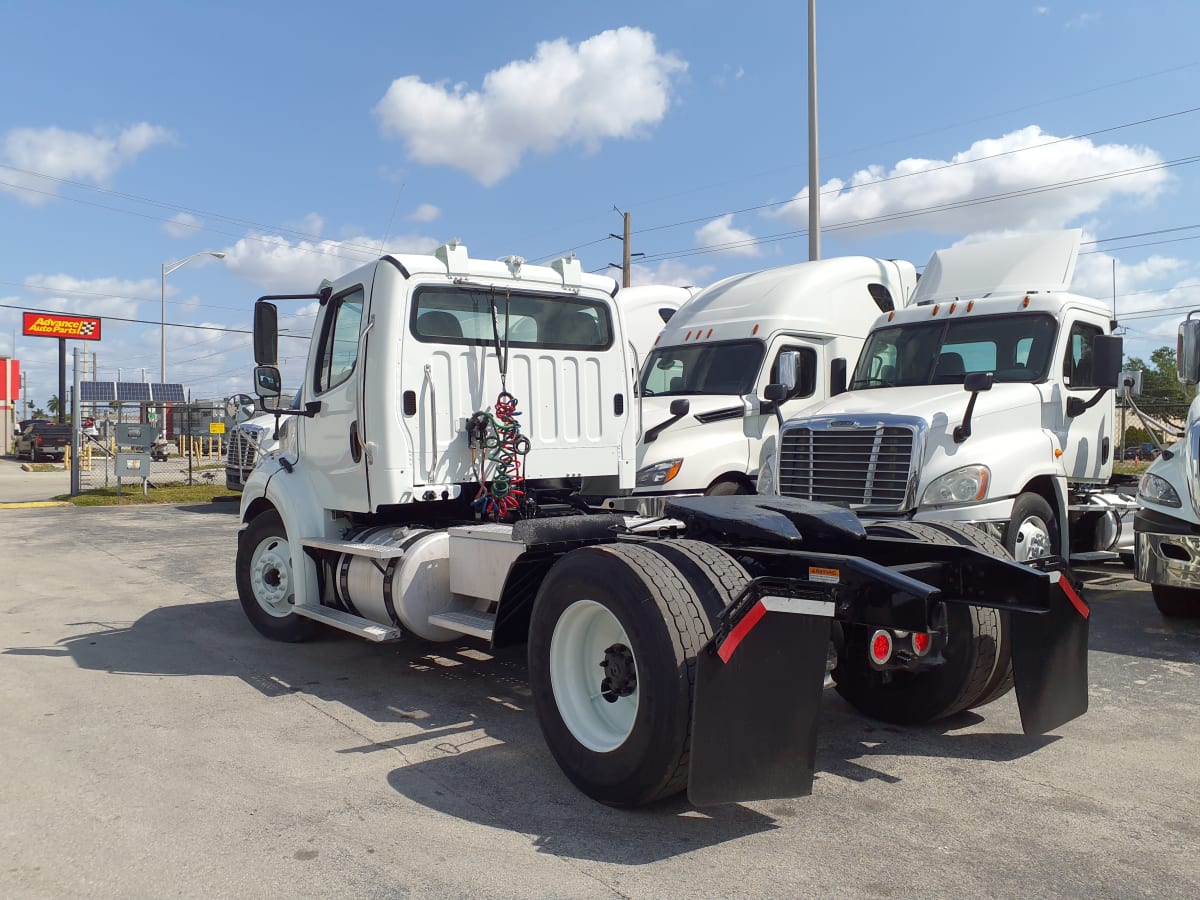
(52, 405)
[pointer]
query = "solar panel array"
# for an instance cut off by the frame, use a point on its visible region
(133, 392)
(130, 392)
(97, 391)
(167, 393)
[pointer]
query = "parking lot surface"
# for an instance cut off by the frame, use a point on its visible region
(153, 745)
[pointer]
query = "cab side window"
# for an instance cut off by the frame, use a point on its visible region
(806, 374)
(1077, 362)
(339, 340)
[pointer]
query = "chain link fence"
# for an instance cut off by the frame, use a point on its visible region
(189, 445)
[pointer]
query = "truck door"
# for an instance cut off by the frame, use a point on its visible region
(1086, 439)
(763, 429)
(332, 449)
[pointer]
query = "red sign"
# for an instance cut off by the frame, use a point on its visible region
(10, 380)
(73, 328)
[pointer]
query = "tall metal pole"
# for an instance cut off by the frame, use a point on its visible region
(625, 260)
(814, 175)
(162, 334)
(62, 381)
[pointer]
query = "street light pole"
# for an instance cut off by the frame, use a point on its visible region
(167, 269)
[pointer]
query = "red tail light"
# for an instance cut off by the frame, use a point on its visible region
(921, 642)
(881, 647)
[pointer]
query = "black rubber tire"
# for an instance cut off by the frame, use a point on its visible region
(977, 661)
(667, 625)
(726, 487)
(290, 628)
(1176, 603)
(1028, 505)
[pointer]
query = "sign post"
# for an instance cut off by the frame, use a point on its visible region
(64, 328)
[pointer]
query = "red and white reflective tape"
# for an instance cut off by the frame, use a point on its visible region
(1076, 600)
(800, 605)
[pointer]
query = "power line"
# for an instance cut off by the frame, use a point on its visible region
(156, 323)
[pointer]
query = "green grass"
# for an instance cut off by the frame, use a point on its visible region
(44, 467)
(131, 495)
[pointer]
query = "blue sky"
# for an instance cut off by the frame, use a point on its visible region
(299, 139)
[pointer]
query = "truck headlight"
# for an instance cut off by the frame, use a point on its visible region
(1154, 489)
(960, 486)
(659, 473)
(766, 479)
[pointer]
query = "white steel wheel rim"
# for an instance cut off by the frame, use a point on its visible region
(1033, 540)
(271, 576)
(582, 634)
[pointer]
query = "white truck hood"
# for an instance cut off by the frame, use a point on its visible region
(928, 401)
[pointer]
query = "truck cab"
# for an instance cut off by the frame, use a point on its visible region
(986, 402)
(707, 425)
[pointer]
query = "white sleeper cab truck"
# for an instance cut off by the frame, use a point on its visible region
(1167, 524)
(988, 401)
(709, 427)
(427, 488)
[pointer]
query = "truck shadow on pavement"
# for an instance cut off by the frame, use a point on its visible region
(459, 718)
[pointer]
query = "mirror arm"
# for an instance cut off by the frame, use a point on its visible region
(963, 431)
(652, 434)
(1077, 407)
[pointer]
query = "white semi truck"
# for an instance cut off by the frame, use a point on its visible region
(708, 427)
(428, 487)
(1167, 525)
(988, 401)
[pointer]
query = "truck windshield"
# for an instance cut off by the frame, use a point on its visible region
(729, 368)
(450, 315)
(1016, 348)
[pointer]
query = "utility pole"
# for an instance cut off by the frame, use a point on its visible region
(625, 255)
(814, 175)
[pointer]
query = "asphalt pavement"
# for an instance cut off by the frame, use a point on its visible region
(153, 745)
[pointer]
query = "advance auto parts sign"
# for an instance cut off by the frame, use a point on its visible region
(74, 328)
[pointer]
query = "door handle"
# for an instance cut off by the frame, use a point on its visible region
(355, 444)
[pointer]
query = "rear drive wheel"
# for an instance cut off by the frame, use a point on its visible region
(1176, 603)
(613, 640)
(1032, 529)
(266, 586)
(977, 666)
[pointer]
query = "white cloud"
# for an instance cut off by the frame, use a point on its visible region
(1041, 10)
(71, 155)
(1082, 20)
(669, 271)
(283, 266)
(426, 212)
(312, 224)
(720, 235)
(182, 225)
(918, 184)
(91, 296)
(612, 85)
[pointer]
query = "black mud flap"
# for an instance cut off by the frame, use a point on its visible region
(1049, 653)
(758, 694)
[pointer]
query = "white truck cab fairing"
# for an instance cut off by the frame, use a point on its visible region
(901, 442)
(721, 350)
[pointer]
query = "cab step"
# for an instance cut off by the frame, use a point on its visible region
(372, 551)
(472, 622)
(345, 621)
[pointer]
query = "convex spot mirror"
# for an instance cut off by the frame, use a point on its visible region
(789, 369)
(978, 381)
(267, 382)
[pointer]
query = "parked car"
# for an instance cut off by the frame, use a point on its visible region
(41, 438)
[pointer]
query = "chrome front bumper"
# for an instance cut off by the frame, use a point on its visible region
(1171, 560)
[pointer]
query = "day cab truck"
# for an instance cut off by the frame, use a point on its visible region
(987, 402)
(1167, 524)
(428, 487)
(708, 427)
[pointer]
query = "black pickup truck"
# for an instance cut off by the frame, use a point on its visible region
(43, 439)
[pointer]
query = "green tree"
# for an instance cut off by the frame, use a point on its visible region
(1162, 394)
(52, 405)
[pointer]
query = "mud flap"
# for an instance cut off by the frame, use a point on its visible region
(1049, 654)
(758, 693)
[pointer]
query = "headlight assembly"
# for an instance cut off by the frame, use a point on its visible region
(965, 485)
(659, 473)
(1154, 489)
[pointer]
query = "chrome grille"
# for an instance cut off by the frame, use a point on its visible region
(862, 467)
(241, 451)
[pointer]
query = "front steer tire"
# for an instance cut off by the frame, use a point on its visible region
(264, 581)
(659, 610)
(1176, 603)
(978, 662)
